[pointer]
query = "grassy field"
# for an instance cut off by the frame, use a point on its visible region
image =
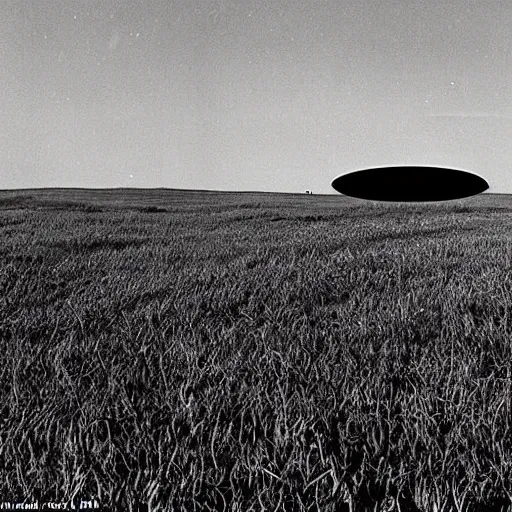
(249, 351)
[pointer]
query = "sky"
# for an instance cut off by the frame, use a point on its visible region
(251, 95)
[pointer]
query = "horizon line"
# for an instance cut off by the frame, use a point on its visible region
(199, 190)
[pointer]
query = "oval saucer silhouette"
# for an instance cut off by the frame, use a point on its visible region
(409, 184)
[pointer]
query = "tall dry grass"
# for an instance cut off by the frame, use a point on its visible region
(182, 351)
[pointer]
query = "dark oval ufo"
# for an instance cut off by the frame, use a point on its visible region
(410, 184)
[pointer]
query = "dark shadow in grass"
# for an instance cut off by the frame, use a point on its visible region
(314, 218)
(302, 219)
(96, 245)
(116, 245)
(152, 209)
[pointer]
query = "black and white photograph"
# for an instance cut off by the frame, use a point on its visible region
(256, 255)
